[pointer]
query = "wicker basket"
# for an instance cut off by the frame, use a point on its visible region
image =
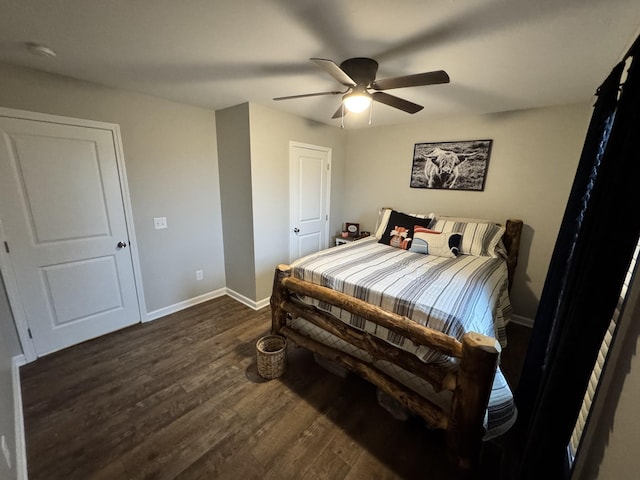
(271, 351)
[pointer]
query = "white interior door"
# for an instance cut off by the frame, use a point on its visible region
(309, 199)
(62, 214)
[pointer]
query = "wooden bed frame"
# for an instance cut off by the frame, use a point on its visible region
(471, 384)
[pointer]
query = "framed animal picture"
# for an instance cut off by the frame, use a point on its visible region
(451, 165)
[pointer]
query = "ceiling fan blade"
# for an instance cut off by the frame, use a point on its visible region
(334, 70)
(308, 95)
(419, 79)
(397, 102)
(341, 112)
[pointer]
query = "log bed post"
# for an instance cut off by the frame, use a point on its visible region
(477, 369)
(279, 295)
(511, 239)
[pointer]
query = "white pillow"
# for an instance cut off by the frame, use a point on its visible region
(383, 219)
(430, 242)
(479, 238)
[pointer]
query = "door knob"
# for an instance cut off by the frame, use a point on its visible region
(122, 244)
(296, 230)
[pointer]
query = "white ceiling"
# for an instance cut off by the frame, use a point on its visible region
(500, 54)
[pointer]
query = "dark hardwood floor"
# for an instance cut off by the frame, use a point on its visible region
(180, 398)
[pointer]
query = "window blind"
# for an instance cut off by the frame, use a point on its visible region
(594, 380)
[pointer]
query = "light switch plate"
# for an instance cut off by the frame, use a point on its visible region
(160, 222)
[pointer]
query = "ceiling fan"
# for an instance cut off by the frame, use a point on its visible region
(359, 76)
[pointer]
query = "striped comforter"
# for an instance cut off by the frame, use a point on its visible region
(453, 295)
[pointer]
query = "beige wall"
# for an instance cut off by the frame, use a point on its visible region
(234, 154)
(171, 161)
(253, 147)
(271, 132)
(9, 348)
(171, 156)
(533, 161)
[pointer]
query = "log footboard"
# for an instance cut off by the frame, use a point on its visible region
(470, 383)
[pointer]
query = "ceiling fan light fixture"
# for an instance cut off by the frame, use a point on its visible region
(359, 76)
(357, 101)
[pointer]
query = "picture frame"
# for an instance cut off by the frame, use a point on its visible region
(353, 229)
(454, 165)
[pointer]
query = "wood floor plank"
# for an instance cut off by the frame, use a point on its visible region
(281, 434)
(329, 466)
(111, 471)
(229, 462)
(369, 467)
(172, 449)
(181, 398)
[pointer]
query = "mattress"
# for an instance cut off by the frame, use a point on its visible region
(453, 295)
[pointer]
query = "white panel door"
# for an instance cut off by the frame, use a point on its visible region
(62, 214)
(309, 199)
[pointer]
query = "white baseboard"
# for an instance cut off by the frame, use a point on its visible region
(176, 307)
(247, 301)
(263, 303)
(21, 444)
(524, 321)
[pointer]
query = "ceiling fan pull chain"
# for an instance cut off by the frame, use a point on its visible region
(342, 117)
(370, 112)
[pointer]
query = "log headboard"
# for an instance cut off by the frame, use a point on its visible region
(511, 240)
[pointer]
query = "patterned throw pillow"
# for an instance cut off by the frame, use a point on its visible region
(478, 238)
(385, 213)
(399, 229)
(430, 242)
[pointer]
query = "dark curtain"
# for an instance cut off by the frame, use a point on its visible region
(593, 250)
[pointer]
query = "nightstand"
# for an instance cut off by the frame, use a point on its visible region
(344, 240)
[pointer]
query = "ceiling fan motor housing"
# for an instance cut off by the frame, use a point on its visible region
(361, 70)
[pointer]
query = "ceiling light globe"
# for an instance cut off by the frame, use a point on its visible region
(357, 103)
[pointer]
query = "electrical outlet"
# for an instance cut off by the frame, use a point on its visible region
(160, 222)
(199, 274)
(5, 451)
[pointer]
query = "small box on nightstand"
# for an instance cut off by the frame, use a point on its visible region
(348, 239)
(344, 240)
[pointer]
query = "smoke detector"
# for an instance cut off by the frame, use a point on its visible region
(40, 50)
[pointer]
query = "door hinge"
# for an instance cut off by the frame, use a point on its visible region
(6, 247)
(29, 332)
(328, 166)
